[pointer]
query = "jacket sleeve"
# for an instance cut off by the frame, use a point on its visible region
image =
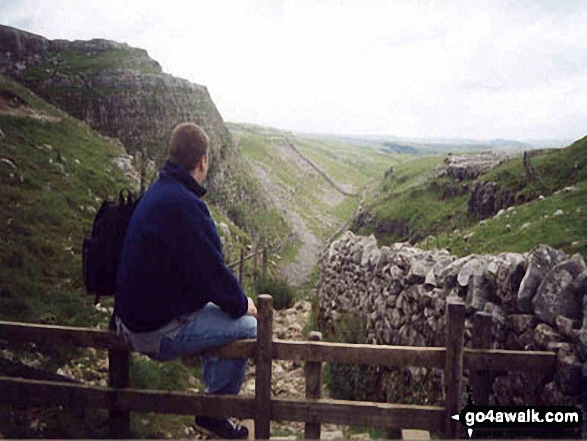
(201, 259)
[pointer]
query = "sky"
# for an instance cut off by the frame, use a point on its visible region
(421, 69)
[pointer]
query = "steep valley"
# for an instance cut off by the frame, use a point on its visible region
(74, 119)
(316, 184)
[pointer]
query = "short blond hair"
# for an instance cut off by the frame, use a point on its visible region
(188, 144)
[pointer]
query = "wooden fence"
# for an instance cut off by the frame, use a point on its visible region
(313, 410)
(258, 251)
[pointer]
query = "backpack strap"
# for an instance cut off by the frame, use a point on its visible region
(129, 196)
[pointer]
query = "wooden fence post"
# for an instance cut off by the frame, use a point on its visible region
(453, 370)
(241, 267)
(263, 367)
(264, 263)
(143, 171)
(255, 262)
(313, 377)
(481, 380)
(119, 376)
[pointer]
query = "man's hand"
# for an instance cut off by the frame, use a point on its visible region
(252, 308)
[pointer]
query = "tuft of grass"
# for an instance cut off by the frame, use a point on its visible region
(169, 375)
(283, 294)
(349, 381)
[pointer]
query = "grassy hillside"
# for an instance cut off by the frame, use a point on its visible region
(54, 171)
(411, 202)
(556, 169)
(73, 61)
(527, 225)
(303, 190)
(351, 165)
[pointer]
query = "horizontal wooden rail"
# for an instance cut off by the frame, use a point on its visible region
(238, 349)
(30, 332)
(506, 360)
(358, 413)
(247, 257)
(378, 355)
(181, 403)
(22, 391)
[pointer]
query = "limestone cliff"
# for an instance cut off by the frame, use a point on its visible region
(123, 93)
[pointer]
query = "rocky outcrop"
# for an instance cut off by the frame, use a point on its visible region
(123, 93)
(487, 198)
(537, 300)
(469, 167)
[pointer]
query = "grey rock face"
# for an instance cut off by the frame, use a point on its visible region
(540, 262)
(471, 166)
(487, 198)
(557, 294)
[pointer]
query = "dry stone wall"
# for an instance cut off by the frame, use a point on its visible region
(537, 300)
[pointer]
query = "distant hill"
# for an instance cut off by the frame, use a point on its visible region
(544, 190)
(393, 144)
(391, 147)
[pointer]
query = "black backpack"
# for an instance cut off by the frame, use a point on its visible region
(101, 250)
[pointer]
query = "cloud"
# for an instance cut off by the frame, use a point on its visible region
(481, 69)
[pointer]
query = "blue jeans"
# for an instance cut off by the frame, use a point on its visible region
(210, 327)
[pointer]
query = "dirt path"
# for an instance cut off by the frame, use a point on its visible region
(298, 272)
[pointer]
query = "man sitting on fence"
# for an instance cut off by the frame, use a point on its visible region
(175, 296)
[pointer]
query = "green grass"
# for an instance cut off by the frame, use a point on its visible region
(47, 203)
(567, 232)
(349, 166)
(75, 61)
(283, 295)
(557, 169)
(411, 195)
(409, 173)
(346, 208)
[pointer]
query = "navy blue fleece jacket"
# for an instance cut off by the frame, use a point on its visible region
(171, 262)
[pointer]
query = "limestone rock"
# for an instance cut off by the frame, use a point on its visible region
(520, 322)
(569, 374)
(473, 267)
(557, 294)
(487, 199)
(539, 262)
(544, 334)
(134, 101)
